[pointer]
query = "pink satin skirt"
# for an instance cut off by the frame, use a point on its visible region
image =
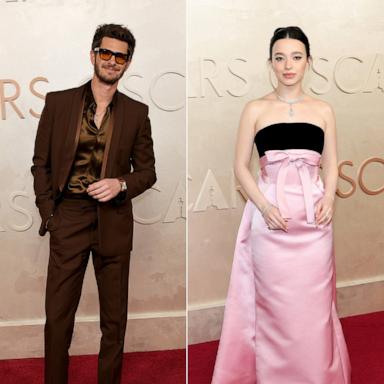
(280, 324)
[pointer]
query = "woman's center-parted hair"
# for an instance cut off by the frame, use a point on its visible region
(115, 31)
(291, 32)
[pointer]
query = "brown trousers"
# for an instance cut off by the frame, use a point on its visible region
(74, 235)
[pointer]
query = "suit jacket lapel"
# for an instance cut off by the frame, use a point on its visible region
(73, 133)
(107, 147)
(112, 140)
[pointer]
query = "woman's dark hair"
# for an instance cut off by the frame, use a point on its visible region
(115, 31)
(291, 33)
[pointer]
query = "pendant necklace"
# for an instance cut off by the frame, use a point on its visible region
(290, 102)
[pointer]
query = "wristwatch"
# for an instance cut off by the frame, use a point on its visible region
(123, 185)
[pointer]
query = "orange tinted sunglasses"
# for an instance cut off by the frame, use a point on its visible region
(106, 54)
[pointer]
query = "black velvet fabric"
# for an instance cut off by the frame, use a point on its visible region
(290, 135)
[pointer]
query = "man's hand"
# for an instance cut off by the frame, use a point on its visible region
(104, 190)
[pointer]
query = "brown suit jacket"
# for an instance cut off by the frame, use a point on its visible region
(128, 154)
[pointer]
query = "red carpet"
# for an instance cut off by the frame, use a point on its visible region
(364, 336)
(160, 367)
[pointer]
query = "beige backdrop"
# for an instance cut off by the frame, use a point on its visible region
(45, 46)
(227, 67)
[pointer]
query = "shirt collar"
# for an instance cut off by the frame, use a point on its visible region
(90, 100)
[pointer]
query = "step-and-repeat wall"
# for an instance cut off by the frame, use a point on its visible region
(227, 66)
(45, 47)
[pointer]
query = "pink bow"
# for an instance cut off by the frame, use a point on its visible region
(301, 159)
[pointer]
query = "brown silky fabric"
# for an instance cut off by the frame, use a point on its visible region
(90, 150)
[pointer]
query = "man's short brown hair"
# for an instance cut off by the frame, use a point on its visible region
(115, 31)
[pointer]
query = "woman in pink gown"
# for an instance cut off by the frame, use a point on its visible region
(280, 324)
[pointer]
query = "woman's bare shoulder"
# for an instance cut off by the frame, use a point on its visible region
(256, 106)
(324, 110)
(321, 105)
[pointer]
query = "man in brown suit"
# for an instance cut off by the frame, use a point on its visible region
(93, 154)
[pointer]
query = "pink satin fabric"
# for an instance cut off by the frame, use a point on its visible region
(280, 324)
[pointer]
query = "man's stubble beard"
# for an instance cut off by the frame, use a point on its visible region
(106, 80)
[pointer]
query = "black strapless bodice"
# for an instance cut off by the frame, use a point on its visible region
(290, 135)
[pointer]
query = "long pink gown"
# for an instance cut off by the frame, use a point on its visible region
(280, 324)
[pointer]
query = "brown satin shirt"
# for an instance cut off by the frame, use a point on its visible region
(88, 161)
